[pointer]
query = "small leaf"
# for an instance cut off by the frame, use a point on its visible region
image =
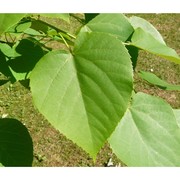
(8, 50)
(147, 42)
(32, 32)
(153, 79)
(138, 22)
(84, 95)
(114, 24)
(8, 20)
(148, 134)
(20, 27)
(16, 147)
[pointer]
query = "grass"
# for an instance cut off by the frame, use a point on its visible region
(51, 148)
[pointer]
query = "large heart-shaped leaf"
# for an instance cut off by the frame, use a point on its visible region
(115, 24)
(147, 42)
(148, 134)
(16, 148)
(8, 20)
(84, 95)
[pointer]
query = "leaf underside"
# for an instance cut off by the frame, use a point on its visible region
(138, 22)
(147, 42)
(148, 134)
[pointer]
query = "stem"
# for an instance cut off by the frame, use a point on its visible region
(6, 37)
(64, 41)
(13, 40)
(70, 35)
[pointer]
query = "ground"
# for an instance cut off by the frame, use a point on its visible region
(51, 148)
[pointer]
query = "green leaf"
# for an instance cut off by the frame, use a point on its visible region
(64, 16)
(8, 50)
(20, 27)
(16, 147)
(138, 22)
(32, 32)
(148, 134)
(147, 42)
(177, 115)
(114, 24)
(153, 79)
(23, 26)
(8, 20)
(84, 95)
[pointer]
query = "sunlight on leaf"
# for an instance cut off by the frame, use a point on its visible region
(147, 42)
(84, 95)
(114, 24)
